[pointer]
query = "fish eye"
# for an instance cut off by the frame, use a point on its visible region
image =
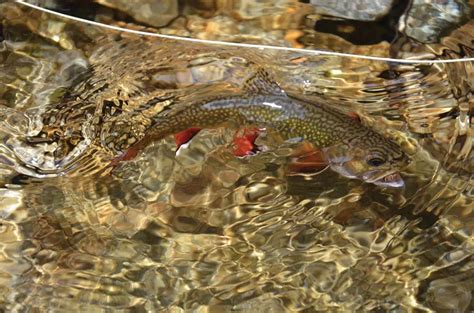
(375, 161)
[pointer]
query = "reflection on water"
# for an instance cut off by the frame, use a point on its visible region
(202, 229)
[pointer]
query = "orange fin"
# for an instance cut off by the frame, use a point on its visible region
(245, 143)
(307, 159)
(185, 136)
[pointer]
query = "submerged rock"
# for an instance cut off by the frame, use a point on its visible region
(360, 10)
(428, 20)
(155, 13)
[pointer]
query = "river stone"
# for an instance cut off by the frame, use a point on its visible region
(155, 13)
(428, 20)
(360, 10)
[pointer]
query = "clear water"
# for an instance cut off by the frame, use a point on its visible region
(203, 230)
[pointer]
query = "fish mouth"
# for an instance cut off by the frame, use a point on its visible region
(384, 176)
(377, 177)
(393, 179)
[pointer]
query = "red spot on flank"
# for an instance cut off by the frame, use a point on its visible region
(245, 143)
(185, 136)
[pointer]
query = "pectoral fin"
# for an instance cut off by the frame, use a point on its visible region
(307, 159)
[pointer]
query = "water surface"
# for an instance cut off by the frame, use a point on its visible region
(203, 229)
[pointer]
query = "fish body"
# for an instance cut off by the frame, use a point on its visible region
(290, 117)
(349, 147)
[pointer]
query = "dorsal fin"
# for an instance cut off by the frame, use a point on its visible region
(260, 82)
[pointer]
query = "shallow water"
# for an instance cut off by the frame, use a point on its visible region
(202, 229)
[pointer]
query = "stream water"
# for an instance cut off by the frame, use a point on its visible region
(201, 229)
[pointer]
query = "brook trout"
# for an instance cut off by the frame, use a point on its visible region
(349, 147)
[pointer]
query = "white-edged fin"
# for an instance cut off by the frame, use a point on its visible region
(260, 82)
(182, 147)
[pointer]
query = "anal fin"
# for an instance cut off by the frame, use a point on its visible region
(185, 136)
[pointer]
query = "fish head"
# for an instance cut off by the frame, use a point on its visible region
(373, 159)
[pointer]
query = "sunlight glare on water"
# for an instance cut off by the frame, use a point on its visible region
(201, 229)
